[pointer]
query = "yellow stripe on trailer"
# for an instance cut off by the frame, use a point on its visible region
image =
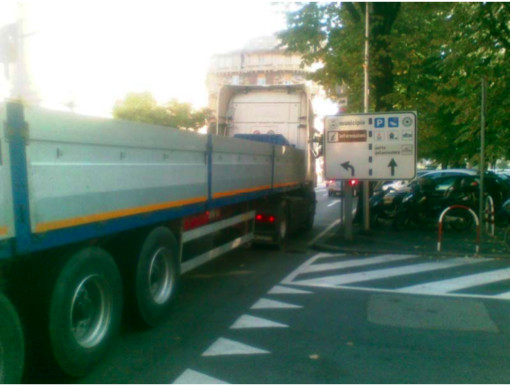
(82, 220)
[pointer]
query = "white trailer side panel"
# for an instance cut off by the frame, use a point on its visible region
(240, 166)
(289, 166)
(83, 170)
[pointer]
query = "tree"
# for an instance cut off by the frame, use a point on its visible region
(143, 107)
(333, 35)
(428, 57)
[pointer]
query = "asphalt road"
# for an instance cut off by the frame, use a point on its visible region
(300, 316)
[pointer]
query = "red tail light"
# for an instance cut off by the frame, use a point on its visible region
(263, 218)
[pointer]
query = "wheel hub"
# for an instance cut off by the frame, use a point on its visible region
(161, 279)
(91, 310)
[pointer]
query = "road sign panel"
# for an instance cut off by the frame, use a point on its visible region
(371, 146)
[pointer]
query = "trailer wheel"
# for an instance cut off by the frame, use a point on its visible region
(12, 348)
(85, 310)
(157, 276)
(282, 226)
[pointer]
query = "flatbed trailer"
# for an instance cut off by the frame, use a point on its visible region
(98, 216)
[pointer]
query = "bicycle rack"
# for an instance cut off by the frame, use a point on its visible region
(440, 236)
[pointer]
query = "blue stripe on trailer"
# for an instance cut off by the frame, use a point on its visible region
(16, 129)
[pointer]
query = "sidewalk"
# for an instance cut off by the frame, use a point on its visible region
(384, 239)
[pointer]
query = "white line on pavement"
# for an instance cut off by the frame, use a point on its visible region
(337, 280)
(225, 346)
(459, 283)
(268, 303)
(248, 321)
(320, 235)
(194, 377)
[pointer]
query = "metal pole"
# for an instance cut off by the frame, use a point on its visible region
(481, 167)
(366, 184)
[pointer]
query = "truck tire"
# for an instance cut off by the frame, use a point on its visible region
(157, 276)
(85, 311)
(12, 347)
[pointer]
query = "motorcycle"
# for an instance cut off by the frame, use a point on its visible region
(503, 214)
(423, 205)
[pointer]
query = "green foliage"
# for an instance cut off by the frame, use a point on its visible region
(143, 107)
(428, 57)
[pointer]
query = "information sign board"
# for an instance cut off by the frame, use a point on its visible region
(371, 146)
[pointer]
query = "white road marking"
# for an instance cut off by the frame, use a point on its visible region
(281, 290)
(248, 321)
(194, 377)
(337, 280)
(334, 203)
(459, 283)
(357, 263)
(320, 235)
(225, 346)
(272, 304)
(309, 265)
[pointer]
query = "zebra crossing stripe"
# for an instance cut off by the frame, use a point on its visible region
(281, 290)
(272, 304)
(459, 283)
(248, 321)
(310, 266)
(338, 280)
(357, 263)
(194, 377)
(225, 346)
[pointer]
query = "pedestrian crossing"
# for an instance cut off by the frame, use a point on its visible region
(407, 274)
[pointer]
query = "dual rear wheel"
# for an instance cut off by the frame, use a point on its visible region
(86, 303)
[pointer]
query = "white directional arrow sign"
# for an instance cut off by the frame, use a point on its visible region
(372, 146)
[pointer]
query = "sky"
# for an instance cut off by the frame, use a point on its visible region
(93, 52)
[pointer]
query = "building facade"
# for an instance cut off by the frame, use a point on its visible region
(260, 62)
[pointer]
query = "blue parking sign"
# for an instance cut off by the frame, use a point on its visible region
(379, 122)
(393, 122)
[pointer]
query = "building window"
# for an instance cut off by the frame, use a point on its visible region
(235, 80)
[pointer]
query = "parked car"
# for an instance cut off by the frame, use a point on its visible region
(336, 187)
(440, 187)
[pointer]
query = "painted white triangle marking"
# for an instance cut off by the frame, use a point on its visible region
(194, 377)
(281, 290)
(268, 303)
(248, 321)
(225, 346)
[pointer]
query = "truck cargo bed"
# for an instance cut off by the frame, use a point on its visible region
(87, 177)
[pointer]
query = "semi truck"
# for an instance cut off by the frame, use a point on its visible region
(101, 217)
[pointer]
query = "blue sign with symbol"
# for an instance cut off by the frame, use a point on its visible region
(379, 122)
(393, 122)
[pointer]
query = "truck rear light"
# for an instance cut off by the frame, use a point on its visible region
(263, 218)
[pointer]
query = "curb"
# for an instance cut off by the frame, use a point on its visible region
(361, 250)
